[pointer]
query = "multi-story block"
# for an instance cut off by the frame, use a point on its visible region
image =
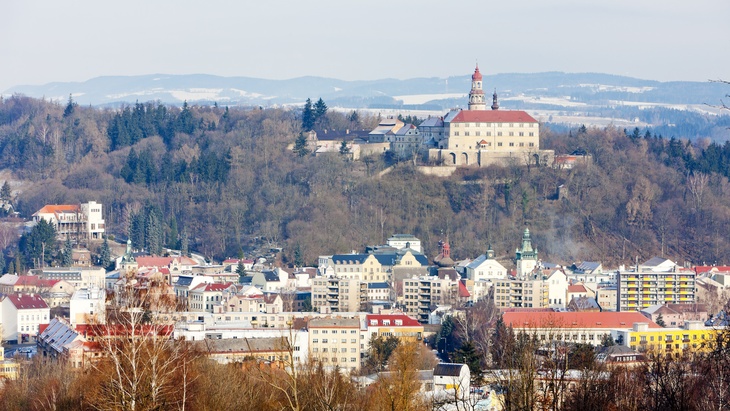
(401, 241)
(22, 315)
(205, 297)
(530, 292)
(77, 221)
(657, 281)
(486, 268)
(333, 294)
(88, 306)
(422, 294)
(393, 325)
(693, 336)
(335, 342)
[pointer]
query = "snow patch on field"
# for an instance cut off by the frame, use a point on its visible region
(425, 98)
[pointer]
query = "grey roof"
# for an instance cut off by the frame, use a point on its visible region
(387, 259)
(654, 261)
(57, 334)
(184, 280)
(477, 261)
(346, 258)
(242, 345)
(447, 369)
(588, 266)
(378, 285)
(334, 322)
(270, 275)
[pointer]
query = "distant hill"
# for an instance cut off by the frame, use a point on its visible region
(593, 89)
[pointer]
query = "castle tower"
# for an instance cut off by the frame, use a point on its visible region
(495, 105)
(526, 258)
(476, 95)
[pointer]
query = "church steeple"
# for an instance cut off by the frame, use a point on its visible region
(495, 105)
(476, 95)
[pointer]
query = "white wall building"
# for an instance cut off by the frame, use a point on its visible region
(79, 221)
(21, 316)
(88, 306)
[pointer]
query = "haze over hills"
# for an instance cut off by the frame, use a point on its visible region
(555, 97)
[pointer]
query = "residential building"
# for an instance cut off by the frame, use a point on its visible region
(335, 342)
(380, 292)
(693, 336)
(656, 281)
(22, 315)
(674, 315)
(334, 294)
(205, 297)
(530, 292)
(76, 221)
(422, 294)
(606, 297)
(78, 277)
(397, 325)
(486, 268)
(88, 306)
(557, 283)
(453, 380)
(589, 272)
(400, 241)
(406, 141)
(9, 368)
(271, 350)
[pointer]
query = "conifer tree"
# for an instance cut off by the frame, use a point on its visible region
(5, 192)
(320, 113)
(2, 262)
(300, 146)
(105, 254)
(344, 149)
(308, 117)
(67, 259)
(184, 243)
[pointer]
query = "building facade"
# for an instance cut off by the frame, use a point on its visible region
(657, 281)
(77, 221)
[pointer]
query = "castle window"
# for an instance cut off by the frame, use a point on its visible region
(532, 144)
(479, 133)
(466, 133)
(499, 144)
(489, 133)
(522, 144)
(511, 133)
(499, 134)
(456, 134)
(531, 134)
(511, 144)
(522, 134)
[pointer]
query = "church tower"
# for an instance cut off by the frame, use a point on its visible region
(526, 257)
(476, 95)
(495, 104)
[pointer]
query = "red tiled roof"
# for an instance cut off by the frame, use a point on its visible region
(27, 301)
(706, 268)
(213, 286)
(477, 76)
(153, 261)
(605, 319)
(577, 289)
(493, 116)
(27, 280)
(463, 292)
(407, 321)
(58, 208)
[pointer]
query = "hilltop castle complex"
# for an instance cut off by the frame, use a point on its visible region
(480, 137)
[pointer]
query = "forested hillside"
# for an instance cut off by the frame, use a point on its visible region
(218, 178)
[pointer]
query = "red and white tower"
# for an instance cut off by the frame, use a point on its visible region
(476, 95)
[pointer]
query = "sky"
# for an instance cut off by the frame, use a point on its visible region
(43, 41)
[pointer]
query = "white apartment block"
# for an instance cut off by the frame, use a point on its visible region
(22, 315)
(335, 342)
(77, 221)
(88, 306)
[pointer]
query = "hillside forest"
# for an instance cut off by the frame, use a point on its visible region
(225, 182)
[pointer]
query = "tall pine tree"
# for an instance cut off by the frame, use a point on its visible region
(67, 256)
(308, 117)
(105, 254)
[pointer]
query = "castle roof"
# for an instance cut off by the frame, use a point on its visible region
(493, 116)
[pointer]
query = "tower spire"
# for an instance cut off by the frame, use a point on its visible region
(495, 104)
(476, 95)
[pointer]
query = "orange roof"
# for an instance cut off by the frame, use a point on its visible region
(58, 208)
(493, 116)
(604, 319)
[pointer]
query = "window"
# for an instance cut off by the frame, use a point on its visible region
(499, 134)
(511, 144)
(499, 144)
(522, 134)
(511, 134)
(456, 134)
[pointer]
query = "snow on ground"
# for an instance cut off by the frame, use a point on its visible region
(425, 98)
(556, 101)
(245, 93)
(192, 94)
(625, 89)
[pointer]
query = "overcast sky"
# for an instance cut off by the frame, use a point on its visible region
(43, 41)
